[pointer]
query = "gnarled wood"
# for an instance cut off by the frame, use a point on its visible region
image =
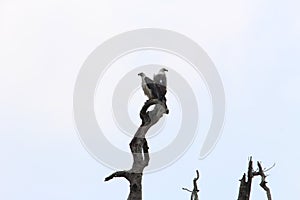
(246, 182)
(139, 148)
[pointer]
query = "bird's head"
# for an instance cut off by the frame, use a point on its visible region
(141, 74)
(163, 70)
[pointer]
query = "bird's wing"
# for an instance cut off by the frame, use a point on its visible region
(148, 80)
(153, 87)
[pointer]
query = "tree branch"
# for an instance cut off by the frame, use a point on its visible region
(140, 149)
(117, 174)
(245, 185)
(263, 182)
(194, 195)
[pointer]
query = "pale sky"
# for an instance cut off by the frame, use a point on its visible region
(255, 46)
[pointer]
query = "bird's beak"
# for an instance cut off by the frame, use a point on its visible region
(139, 74)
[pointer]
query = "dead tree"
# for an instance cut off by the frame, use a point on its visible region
(139, 148)
(246, 181)
(194, 192)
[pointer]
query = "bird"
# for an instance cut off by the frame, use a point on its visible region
(160, 78)
(156, 89)
(161, 83)
(149, 87)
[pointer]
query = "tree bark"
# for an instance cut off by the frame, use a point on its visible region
(246, 182)
(245, 185)
(139, 148)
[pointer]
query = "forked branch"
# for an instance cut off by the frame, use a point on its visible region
(246, 181)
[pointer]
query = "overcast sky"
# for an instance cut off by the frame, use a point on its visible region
(254, 45)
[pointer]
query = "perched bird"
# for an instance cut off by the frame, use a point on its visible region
(161, 83)
(156, 89)
(160, 78)
(149, 87)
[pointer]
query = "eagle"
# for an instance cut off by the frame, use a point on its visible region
(160, 78)
(161, 83)
(149, 87)
(157, 88)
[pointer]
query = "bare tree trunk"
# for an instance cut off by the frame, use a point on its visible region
(246, 182)
(139, 148)
(245, 186)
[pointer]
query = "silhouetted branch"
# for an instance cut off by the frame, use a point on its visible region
(245, 185)
(139, 148)
(263, 182)
(117, 174)
(194, 195)
(187, 189)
